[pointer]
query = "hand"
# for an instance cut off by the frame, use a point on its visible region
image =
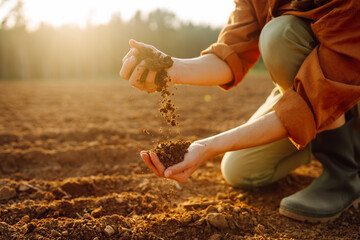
(132, 70)
(197, 155)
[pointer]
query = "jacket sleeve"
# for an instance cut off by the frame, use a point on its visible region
(328, 82)
(237, 43)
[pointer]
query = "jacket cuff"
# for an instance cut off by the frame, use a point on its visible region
(297, 118)
(225, 53)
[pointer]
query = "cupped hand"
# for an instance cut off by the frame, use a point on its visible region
(196, 156)
(132, 70)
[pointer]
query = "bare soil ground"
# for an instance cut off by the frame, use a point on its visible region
(70, 167)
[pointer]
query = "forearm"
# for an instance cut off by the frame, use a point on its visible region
(264, 130)
(206, 70)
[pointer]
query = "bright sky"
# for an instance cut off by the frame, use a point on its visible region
(58, 12)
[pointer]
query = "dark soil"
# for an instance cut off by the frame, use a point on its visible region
(171, 153)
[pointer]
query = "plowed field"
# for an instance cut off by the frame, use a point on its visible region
(70, 167)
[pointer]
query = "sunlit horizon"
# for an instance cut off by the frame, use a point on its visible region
(82, 13)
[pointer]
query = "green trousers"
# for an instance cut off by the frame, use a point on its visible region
(284, 43)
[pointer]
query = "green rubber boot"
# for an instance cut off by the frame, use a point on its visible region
(338, 187)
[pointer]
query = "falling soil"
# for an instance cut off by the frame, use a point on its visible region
(171, 153)
(159, 63)
(70, 168)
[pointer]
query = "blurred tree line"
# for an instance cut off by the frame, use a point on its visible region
(97, 50)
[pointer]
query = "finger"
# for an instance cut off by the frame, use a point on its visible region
(148, 163)
(175, 169)
(182, 176)
(135, 44)
(150, 82)
(127, 67)
(135, 77)
(132, 52)
(156, 161)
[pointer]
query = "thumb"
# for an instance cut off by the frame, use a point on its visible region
(134, 44)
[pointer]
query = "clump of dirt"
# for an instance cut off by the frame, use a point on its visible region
(159, 63)
(171, 153)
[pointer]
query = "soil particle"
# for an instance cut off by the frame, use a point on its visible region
(109, 230)
(217, 220)
(40, 210)
(25, 219)
(172, 152)
(23, 188)
(215, 237)
(55, 233)
(98, 212)
(7, 193)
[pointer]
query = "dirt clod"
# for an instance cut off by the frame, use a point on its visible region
(217, 220)
(25, 219)
(172, 152)
(7, 193)
(215, 237)
(55, 233)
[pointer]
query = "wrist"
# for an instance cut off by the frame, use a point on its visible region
(211, 146)
(175, 70)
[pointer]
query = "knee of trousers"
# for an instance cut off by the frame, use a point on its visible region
(284, 43)
(241, 173)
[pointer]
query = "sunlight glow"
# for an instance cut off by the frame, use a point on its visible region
(59, 12)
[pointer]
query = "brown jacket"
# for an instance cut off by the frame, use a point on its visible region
(327, 83)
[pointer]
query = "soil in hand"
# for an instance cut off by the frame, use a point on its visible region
(159, 63)
(171, 153)
(155, 62)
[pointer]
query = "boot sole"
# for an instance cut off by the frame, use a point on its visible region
(301, 218)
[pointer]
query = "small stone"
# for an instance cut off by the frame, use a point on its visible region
(25, 219)
(187, 219)
(40, 210)
(124, 232)
(55, 233)
(97, 212)
(237, 209)
(200, 222)
(215, 237)
(65, 233)
(96, 238)
(52, 206)
(217, 220)
(195, 216)
(87, 216)
(221, 196)
(211, 209)
(7, 193)
(242, 196)
(49, 196)
(261, 228)
(23, 188)
(109, 230)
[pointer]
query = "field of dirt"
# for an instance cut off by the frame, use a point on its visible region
(70, 167)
